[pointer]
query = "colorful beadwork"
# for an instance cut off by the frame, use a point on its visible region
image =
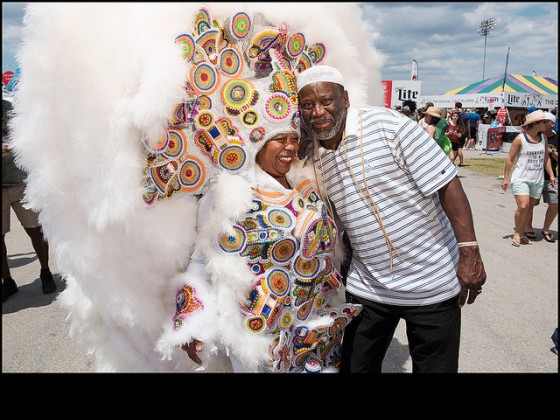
(208, 42)
(306, 268)
(287, 285)
(233, 242)
(186, 303)
(192, 174)
(176, 143)
(230, 62)
(202, 21)
(240, 69)
(232, 158)
(278, 282)
(159, 145)
(205, 119)
(204, 78)
(283, 251)
(296, 44)
(187, 45)
(240, 25)
(278, 106)
(317, 52)
(257, 135)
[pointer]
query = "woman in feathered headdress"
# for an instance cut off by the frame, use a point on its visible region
(129, 114)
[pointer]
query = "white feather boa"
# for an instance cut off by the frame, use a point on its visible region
(95, 77)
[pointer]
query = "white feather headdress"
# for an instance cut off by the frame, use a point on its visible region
(96, 79)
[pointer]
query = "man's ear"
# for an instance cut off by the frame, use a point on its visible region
(346, 99)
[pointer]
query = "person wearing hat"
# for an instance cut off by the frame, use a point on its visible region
(529, 152)
(397, 195)
(263, 285)
(550, 192)
(436, 127)
(422, 114)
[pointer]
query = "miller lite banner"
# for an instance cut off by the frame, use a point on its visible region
(397, 91)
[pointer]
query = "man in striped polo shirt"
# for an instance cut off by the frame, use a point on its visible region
(398, 197)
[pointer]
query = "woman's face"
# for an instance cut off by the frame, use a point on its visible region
(276, 156)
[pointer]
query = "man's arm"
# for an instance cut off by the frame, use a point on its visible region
(470, 270)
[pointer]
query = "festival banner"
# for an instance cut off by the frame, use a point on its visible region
(414, 74)
(397, 91)
(387, 92)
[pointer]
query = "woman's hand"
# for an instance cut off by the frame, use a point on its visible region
(192, 349)
(505, 184)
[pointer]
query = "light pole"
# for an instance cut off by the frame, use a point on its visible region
(485, 28)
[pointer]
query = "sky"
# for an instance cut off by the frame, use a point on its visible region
(442, 37)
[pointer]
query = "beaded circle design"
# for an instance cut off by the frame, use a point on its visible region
(283, 251)
(240, 25)
(249, 118)
(230, 62)
(162, 174)
(257, 268)
(278, 106)
(296, 44)
(278, 282)
(237, 93)
(192, 174)
(204, 102)
(306, 268)
(304, 62)
(232, 243)
(208, 42)
(205, 79)
(286, 319)
(205, 119)
(187, 45)
(281, 218)
(176, 143)
(232, 158)
(304, 310)
(255, 324)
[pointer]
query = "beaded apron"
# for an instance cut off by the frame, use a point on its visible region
(288, 239)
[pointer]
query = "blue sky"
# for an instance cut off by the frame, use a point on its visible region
(442, 37)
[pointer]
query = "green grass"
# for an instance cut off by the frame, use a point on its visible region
(493, 167)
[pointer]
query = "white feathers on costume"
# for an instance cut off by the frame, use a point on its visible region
(96, 78)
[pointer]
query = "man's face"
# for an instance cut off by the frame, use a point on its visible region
(323, 109)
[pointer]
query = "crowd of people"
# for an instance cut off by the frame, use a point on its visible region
(535, 170)
(268, 283)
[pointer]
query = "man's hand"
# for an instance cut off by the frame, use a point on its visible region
(192, 349)
(471, 274)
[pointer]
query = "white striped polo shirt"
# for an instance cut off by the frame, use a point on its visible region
(404, 169)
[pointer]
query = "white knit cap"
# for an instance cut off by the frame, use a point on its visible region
(319, 73)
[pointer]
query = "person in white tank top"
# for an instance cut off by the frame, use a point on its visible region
(527, 157)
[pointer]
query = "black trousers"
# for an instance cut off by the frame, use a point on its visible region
(433, 333)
